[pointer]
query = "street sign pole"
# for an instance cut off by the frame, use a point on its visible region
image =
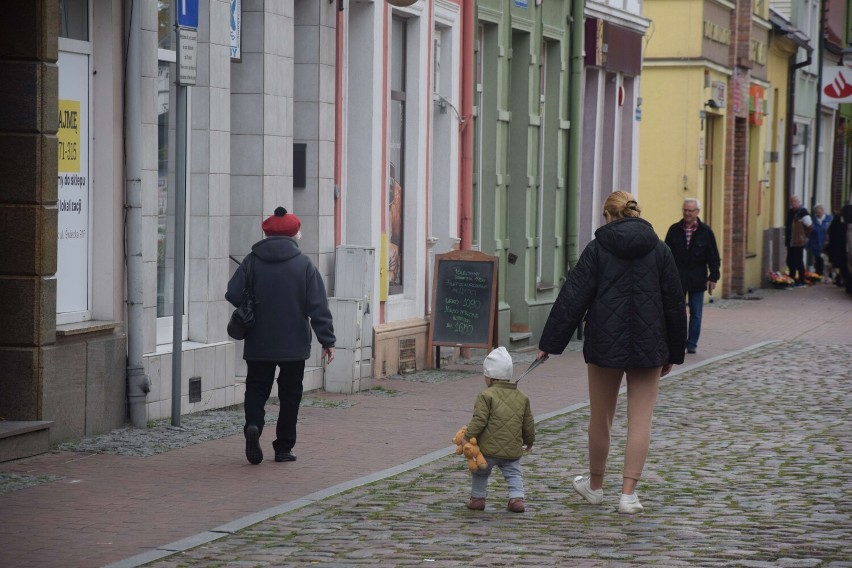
(186, 27)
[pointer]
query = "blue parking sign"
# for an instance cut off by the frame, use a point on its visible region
(187, 13)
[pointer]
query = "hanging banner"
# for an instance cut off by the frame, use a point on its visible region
(72, 265)
(236, 29)
(836, 84)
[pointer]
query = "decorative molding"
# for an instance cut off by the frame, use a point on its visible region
(688, 63)
(487, 14)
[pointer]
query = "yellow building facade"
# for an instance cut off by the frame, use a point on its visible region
(709, 130)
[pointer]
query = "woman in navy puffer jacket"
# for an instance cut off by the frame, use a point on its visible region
(626, 287)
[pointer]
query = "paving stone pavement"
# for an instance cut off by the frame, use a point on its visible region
(750, 465)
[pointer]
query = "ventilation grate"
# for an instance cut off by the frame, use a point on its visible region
(195, 389)
(407, 355)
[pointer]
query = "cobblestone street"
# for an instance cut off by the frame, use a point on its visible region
(750, 465)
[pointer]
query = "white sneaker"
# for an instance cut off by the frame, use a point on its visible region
(581, 486)
(629, 504)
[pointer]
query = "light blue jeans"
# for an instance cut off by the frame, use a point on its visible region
(511, 473)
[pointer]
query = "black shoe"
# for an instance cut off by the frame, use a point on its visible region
(253, 452)
(285, 457)
(691, 349)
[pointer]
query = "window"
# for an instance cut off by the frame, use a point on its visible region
(396, 155)
(74, 19)
(166, 172)
(73, 267)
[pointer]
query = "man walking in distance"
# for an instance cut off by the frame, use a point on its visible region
(291, 299)
(694, 248)
(796, 248)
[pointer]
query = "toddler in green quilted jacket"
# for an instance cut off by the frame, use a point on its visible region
(503, 425)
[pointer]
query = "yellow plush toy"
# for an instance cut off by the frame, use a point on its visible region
(470, 449)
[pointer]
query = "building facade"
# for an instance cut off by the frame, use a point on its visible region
(523, 190)
(250, 126)
(706, 65)
(614, 37)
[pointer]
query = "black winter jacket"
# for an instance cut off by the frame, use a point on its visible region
(291, 300)
(698, 262)
(626, 285)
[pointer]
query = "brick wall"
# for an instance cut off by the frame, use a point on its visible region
(736, 155)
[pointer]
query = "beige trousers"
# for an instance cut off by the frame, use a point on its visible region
(642, 388)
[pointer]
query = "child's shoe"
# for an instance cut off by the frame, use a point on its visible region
(476, 504)
(581, 486)
(516, 505)
(629, 504)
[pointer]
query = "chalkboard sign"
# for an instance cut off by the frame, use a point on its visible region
(464, 299)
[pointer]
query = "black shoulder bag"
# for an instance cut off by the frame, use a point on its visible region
(242, 320)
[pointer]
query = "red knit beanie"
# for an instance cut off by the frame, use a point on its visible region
(281, 224)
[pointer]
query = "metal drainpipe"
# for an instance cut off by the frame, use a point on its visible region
(138, 384)
(468, 34)
(791, 113)
(575, 114)
(818, 116)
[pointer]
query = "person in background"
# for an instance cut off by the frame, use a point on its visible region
(835, 248)
(795, 251)
(290, 300)
(627, 289)
(816, 241)
(503, 425)
(696, 255)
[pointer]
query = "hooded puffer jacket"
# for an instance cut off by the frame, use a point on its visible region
(627, 286)
(502, 421)
(291, 299)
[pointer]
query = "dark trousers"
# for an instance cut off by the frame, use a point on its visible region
(818, 262)
(695, 302)
(796, 263)
(258, 387)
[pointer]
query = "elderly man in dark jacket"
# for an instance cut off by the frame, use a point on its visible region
(693, 245)
(290, 300)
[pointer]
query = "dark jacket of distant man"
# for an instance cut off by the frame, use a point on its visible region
(699, 261)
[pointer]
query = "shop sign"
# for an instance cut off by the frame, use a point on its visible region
(836, 84)
(236, 25)
(756, 105)
(717, 33)
(737, 92)
(719, 91)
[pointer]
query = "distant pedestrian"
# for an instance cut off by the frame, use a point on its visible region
(291, 299)
(847, 217)
(835, 248)
(627, 289)
(696, 255)
(816, 241)
(503, 425)
(794, 242)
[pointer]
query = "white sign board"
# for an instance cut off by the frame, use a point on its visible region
(72, 266)
(187, 56)
(836, 84)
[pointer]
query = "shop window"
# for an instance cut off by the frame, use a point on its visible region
(166, 175)
(73, 266)
(396, 155)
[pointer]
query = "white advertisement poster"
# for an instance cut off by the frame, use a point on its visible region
(236, 29)
(72, 271)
